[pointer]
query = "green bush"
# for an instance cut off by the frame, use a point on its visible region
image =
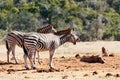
(27, 15)
(2, 33)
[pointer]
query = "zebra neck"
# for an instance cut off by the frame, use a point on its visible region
(63, 39)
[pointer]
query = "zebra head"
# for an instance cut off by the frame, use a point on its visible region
(72, 37)
(52, 28)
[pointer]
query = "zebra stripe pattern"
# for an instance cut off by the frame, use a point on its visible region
(16, 38)
(12, 39)
(46, 42)
(47, 29)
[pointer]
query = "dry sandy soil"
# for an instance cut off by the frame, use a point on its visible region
(67, 66)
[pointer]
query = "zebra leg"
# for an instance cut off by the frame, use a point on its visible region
(8, 52)
(38, 58)
(34, 59)
(13, 53)
(25, 62)
(31, 60)
(51, 56)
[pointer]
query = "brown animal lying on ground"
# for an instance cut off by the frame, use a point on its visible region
(92, 59)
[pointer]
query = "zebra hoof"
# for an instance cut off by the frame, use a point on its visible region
(17, 63)
(27, 68)
(52, 69)
(33, 67)
(34, 62)
(8, 62)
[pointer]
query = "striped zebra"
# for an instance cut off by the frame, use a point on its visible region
(45, 42)
(47, 29)
(16, 38)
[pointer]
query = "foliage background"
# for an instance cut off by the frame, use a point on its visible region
(28, 15)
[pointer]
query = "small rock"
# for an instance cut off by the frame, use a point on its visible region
(54, 70)
(42, 70)
(77, 56)
(10, 71)
(68, 67)
(65, 77)
(95, 73)
(24, 72)
(117, 75)
(26, 77)
(85, 75)
(111, 55)
(10, 66)
(63, 57)
(2, 69)
(108, 74)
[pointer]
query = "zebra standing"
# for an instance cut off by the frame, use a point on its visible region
(45, 42)
(47, 29)
(12, 39)
(16, 38)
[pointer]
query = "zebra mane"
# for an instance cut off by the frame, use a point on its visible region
(66, 31)
(50, 26)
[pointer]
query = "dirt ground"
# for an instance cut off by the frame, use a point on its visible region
(66, 65)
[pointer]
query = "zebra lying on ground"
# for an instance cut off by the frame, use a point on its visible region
(45, 42)
(16, 38)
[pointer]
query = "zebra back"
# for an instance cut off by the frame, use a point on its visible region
(14, 38)
(66, 31)
(47, 29)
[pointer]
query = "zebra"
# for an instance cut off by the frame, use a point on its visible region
(47, 29)
(16, 38)
(45, 42)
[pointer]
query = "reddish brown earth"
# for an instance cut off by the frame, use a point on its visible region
(65, 64)
(66, 67)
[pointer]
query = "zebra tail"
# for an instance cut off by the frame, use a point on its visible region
(25, 51)
(7, 45)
